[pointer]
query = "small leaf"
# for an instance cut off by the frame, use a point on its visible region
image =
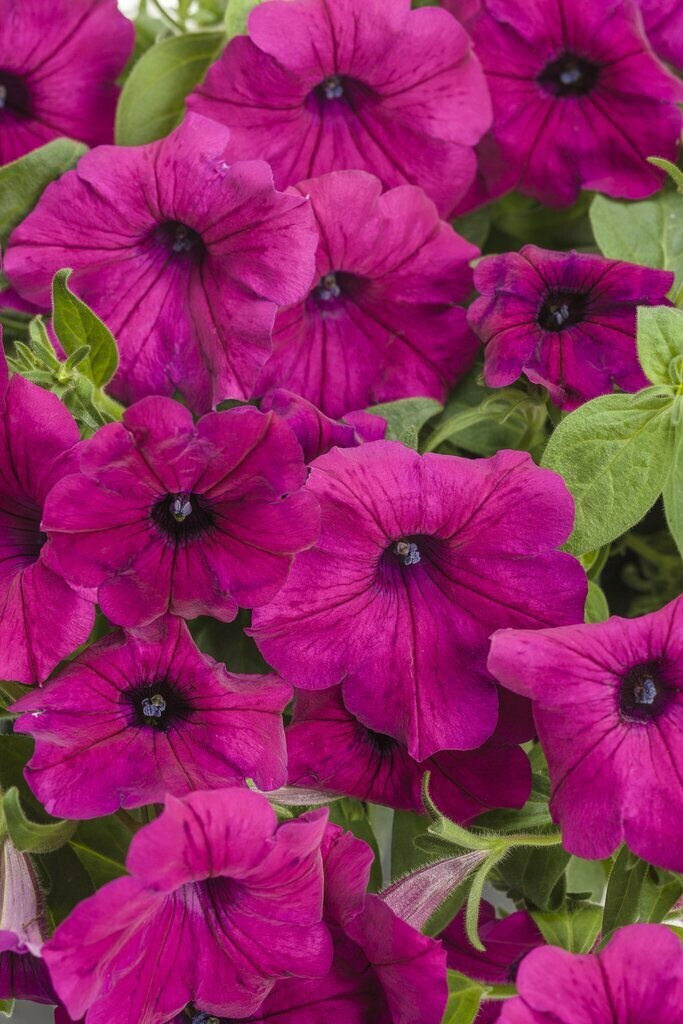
(406, 414)
(76, 326)
(418, 896)
(29, 836)
(673, 490)
(622, 900)
(597, 609)
(649, 232)
(660, 342)
(614, 454)
(572, 928)
(464, 999)
(23, 182)
(237, 16)
(153, 99)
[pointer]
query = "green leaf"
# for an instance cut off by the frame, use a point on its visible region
(674, 172)
(67, 882)
(673, 490)
(405, 856)
(408, 414)
(536, 875)
(572, 928)
(15, 751)
(649, 232)
(101, 845)
(76, 326)
(30, 836)
(23, 182)
(9, 692)
(6, 1007)
(660, 343)
(152, 102)
(237, 16)
(464, 998)
(597, 609)
(614, 454)
(622, 900)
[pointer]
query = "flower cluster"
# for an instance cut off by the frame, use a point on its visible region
(302, 643)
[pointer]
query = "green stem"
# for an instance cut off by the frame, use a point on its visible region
(474, 899)
(168, 17)
(554, 839)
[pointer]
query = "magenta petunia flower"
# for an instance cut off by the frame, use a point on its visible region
(608, 704)
(664, 26)
(59, 61)
(384, 971)
(366, 84)
(579, 99)
(168, 516)
(329, 748)
(220, 903)
(419, 560)
(380, 320)
(638, 976)
(463, 10)
(42, 620)
(507, 940)
(184, 254)
(143, 714)
(317, 433)
(566, 320)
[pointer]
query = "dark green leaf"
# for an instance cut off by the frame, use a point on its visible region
(536, 875)
(76, 326)
(622, 900)
(23, 182)
(15, 751)
(67, 882)
(102, 845)
(464, 998)
(30, 836)
(153, 99)
(405, 856)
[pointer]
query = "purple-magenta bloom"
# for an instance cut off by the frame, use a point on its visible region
(330, 749)
(184, 254)
(608, 704)
(507, 940)
(420, 559)
(42, 620)
(384, 971)
(579, 99)
(59, 61)
(317, 433)
(220, 902)
(23, 976)
(365, 84)
(143, 714)
(637, 977)
(566, 320)
(380, 320)
(664, 26)
(165, 516)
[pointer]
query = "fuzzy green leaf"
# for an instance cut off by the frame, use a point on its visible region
(660, 343)
(464, 998)
(152, 102)
(76, 326)
(572, 928)
(673, 491)
(649, 232)
(614, 454)
(23, 182)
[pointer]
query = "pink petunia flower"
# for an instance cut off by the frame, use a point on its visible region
(384, 971)
(365, 84)
(579, 99)
(184, 254)
(143, 714)
(59, 61)
(608, 704)
(42, 620)
(419, 560)
(330, 749)
(165, 516)
(317, 433)
(220, 903)
(380, 320)
(566, 320)
(663, 21)
(638, 976)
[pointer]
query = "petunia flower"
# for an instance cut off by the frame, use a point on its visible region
(327, 747)
(419, 560)
(42, 620)
(507, 940)
(663, 21)
(220, 902)
(23, 976)
(638, 976)
(59, 61)
(380, 320)
(579, 99)
(184, 254)
(23, 926)
(566, 320)
(608, 705)
(317, 433)
(168, 516)
(384, 971)
(366, 84)
(143, 714)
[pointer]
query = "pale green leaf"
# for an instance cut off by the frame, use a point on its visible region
(464, 998)
(672, 170)
(673, 490)
(614, 454)
(237, 15)
(572, 928)
(407, 414)
(152, 102)
(597, 609)
(23, 182)
(649, 232)
(660, 343)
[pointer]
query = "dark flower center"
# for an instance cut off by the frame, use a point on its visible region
(157, 705)
(562, 309)
(643, 693)
(179, 239)
(380, 744)
(569, 76)
(182, 517)
(331, 88)
(407, 552)
(328, 288)
(14, 94)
